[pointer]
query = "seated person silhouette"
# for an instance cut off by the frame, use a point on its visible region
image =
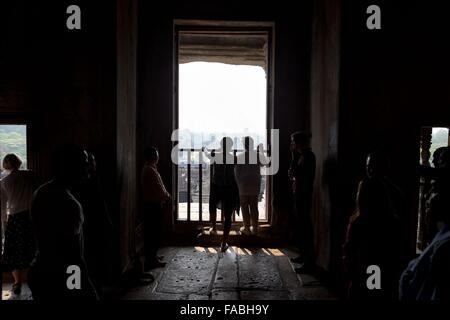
(427, 278)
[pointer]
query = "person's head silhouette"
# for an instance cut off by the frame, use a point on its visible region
(377, 165)
(226, 144)
(151, 155)
(11, 162)
(436, 156)
(444, 158)
(300, 140)
(71, 164)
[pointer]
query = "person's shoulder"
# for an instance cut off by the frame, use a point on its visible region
(311, 153)
(148, 169)
(4, 180)
(28, 174)
(49, 188)
(357, 222)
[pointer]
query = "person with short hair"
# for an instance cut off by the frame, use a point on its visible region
(58, 219)
(155, 196)
(373, 238)
(16, 193)
(302, 173)
(427, 277)
(248, 178)
(224, 193)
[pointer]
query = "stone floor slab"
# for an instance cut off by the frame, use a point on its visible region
(226, 275)
(265, 295)
(225, 295)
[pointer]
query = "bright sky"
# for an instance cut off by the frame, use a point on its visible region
(217, 97)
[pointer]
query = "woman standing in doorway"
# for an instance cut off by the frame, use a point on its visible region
(16, 193)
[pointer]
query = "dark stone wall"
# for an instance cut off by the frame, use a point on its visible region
(61, 82)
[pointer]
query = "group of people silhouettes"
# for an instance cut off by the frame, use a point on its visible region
(235, 182)
(51, 227)
(375, 236)
(65, 221)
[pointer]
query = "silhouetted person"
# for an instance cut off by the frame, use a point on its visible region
(223, 189)
(377, 167)
(373, 238)
(302, 172)
(16, 193)
(438, 178)
(248, 178)
(57, 218)
(155, 196)
(97, 227)
(427, 277)
(436, 156)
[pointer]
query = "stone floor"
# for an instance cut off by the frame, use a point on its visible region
(7, 294)
(203, 273)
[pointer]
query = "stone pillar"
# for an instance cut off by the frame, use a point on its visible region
(325, 59)
(126, 128)
(425, 144)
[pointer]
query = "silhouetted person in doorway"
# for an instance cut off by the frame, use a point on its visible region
(57, 218)
(223, 189)
(301, 173)
(248, 178)
(155, 196)
(97, 227)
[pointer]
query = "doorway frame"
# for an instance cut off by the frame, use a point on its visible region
(225, 26)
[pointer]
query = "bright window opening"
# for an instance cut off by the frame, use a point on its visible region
(222, 91)
(13, 139)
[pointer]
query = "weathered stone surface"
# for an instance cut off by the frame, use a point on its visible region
(226, 275)
(185, 281)
(197, 297)
(168, 296)
(259, 272)
(7, 294)
(224, 295)
(309, 281)
(265, 295)
(289, 278)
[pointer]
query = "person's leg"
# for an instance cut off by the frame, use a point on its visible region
(226, 228)
(213, 208)
(17, 286)
(254, 213)
(148, 247)
(227, 209)
(244, 202)
(307, 240)
(154, 237)
(305, 237)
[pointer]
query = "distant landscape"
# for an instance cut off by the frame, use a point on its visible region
(13, 140)
(439, 139)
